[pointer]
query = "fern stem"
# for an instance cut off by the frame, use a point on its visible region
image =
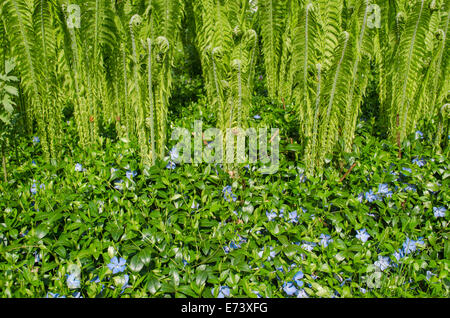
(312, 152)
(408, 67)
(150, 96)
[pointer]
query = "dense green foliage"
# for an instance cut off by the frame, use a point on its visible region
(93, 205)
(112, 61)
(181, 236)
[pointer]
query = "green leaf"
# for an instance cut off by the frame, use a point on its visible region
(432, 186)
(145, 256)
(291, 250)
(41, 231)
(136, 264)
(176, 197)
(201, 278)
(115, 231)
(8, 104)
(9, 66)
(187, 291)
(153, 285)
(11, 90)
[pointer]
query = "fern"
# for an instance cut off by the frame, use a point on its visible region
(304, 59)
(272, 13)
(408, 66)
(360, 69)
(330, 17)
(335, 95)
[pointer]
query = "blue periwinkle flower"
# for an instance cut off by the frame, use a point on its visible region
(298, 278)
(289, 288)
(361, 197)
(370, 196)
(271, 215)
(429, 275)
(302, 294)
(280, 269)
(117, 265)
(257, 117)
(36, 139)
(419, 135)
(224, 291)
(382, 263)
(383, 189)
(78, 167)
(33, 189)
(228, 194)
(171, 165)
(293, 217)
(399, 255)
(439, 212)
(362, 235)
(420, 241)
(325, 240)
(308, 246)
(409, 246)
(73, 281)
(233, 245)
(131, 174)
(418, 162)
(407, 169)
(411, 187)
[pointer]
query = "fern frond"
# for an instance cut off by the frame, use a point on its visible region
(304, 60)
(408, 66)
(272, 17)
(364, 50)
(330, 17)
(335, 95)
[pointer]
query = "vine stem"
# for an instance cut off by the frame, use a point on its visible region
(348, 172)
